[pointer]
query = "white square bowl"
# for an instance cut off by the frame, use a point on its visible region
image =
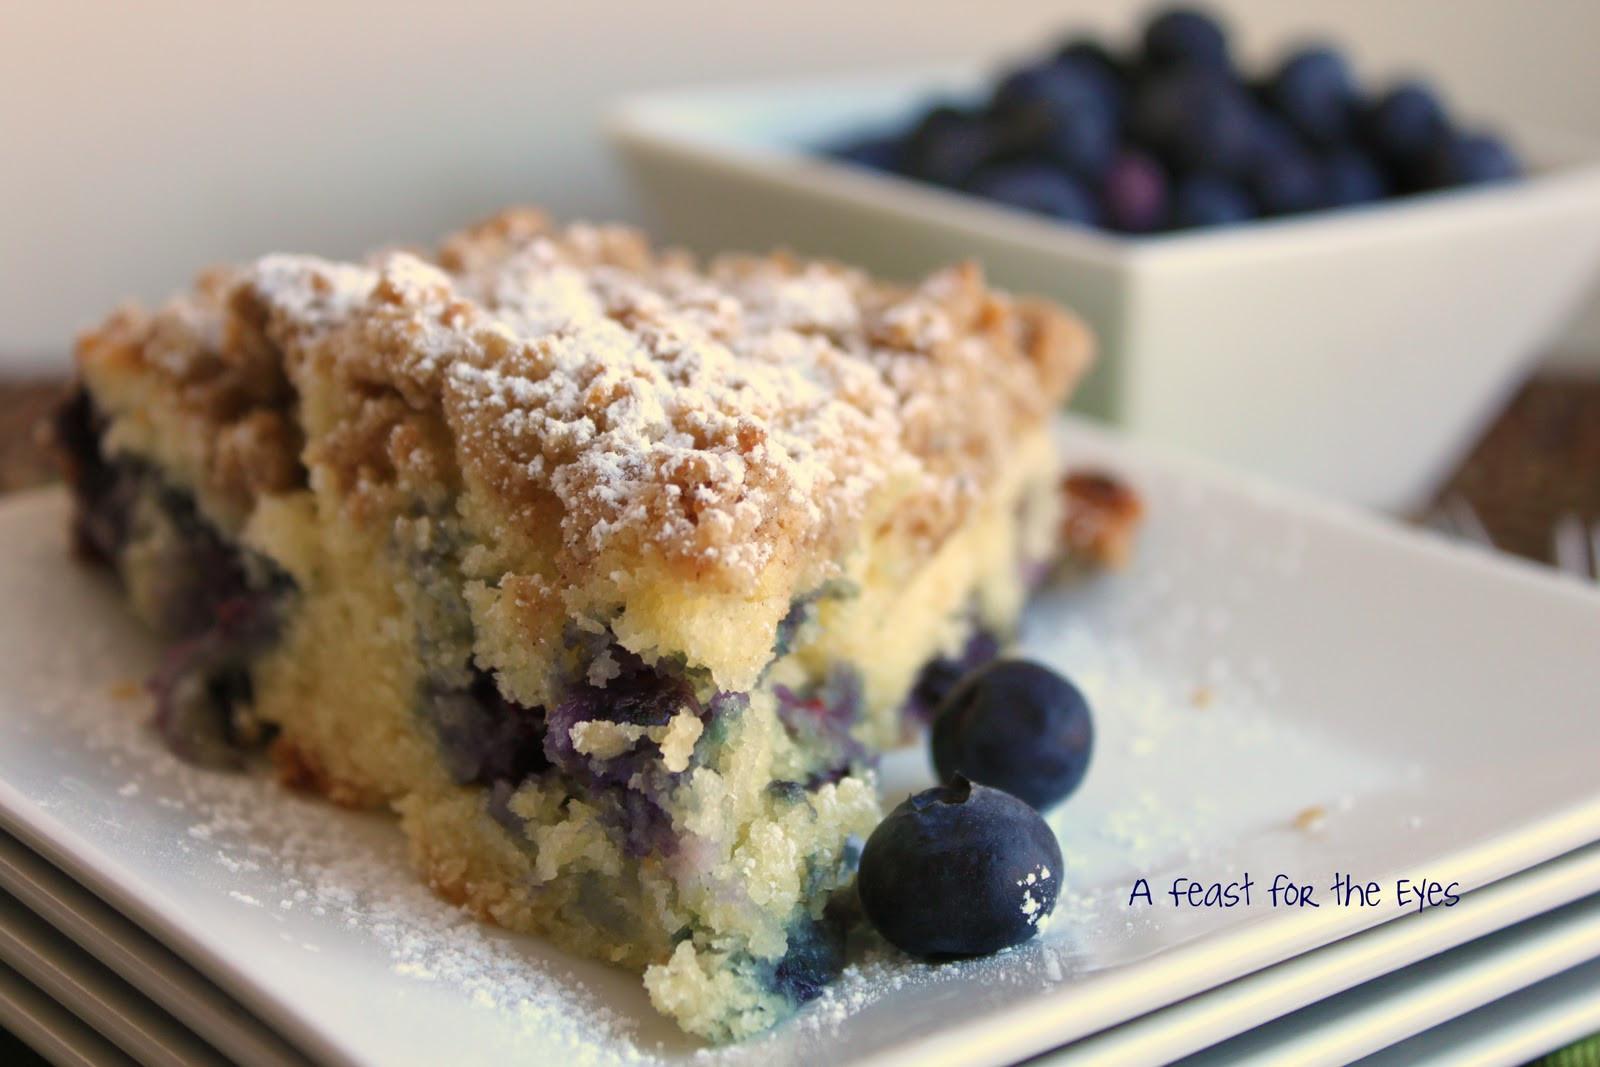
(1356, 353)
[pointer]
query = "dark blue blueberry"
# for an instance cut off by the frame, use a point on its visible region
(1185, 36)
(628, 789)
(1286, 182)
(483, 737)
(948, 146)
(1275, 137)
(221, 608)
(202, 687)
(874, 153)
(1016, 726)
(1134, 194)
(942, 675)
(1467, 159)
(1351, 177)
(638, 695)
(1315, 91)
(1196, 121)
(1209, 200)
(1405, 124)
(1038, 187)
(959, 870)
(813, 961)
(1091, 53)
(104, 495)
(1064, 111)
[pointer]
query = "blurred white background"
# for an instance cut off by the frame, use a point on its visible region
(144, 140)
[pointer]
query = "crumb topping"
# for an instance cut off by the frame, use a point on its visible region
(718, 421)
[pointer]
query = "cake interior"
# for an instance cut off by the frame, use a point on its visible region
(597, 827)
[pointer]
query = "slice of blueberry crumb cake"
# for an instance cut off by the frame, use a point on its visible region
(609, 573)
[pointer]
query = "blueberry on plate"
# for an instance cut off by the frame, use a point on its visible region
(1352, 177)
(959, 870)
(1134, 193)
(1018, 726)
(1315, 91)
(1037, 187)
(1065, 111)
(1209, 200)
(1185, 36)
(1197, 121)
(1467, 159)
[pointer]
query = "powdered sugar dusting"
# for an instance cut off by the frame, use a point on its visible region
(718, 420)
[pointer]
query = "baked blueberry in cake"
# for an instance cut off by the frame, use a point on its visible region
(609, 572)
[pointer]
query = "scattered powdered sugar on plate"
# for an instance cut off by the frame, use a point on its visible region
(350, 870)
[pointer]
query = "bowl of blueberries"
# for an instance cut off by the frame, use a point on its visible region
(1328, 278)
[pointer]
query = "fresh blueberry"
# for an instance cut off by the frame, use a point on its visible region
(1315, 91)
(1134, 193)
(1099, 76)
(1091, 53)
(1038, 187)
(1351, 177)
(1274, 137)
(1062, 110)
(1017, 726)
(948, 146)
(1197, 121)
(1286, 182)
(1185, 36)
(942, 675)
(1466, 159)
(1405, 124)
(959, 870)
(1210, 200)
(874, 153)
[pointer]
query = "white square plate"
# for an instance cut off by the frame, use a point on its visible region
(1281, 687)
(1279, 993)
(1511, 1031)
(1396, 1007)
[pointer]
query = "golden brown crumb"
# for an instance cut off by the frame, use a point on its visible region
(1102, 515)
(1311, 819)
(1204, 696)
(127, 689)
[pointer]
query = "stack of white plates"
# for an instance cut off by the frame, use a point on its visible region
(1282, 688)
